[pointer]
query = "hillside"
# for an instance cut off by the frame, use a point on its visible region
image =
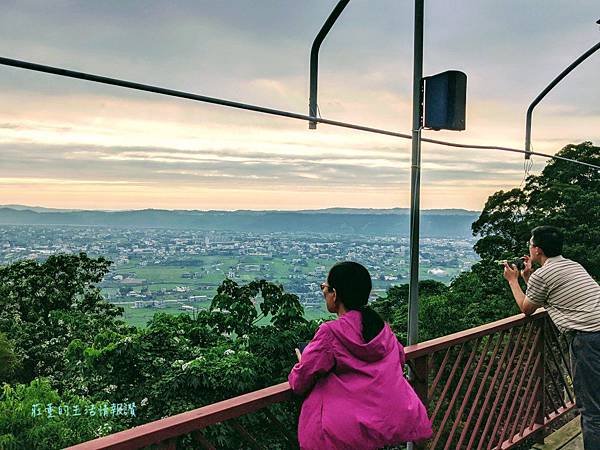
(434, 223)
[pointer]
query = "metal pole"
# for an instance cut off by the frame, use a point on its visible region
(415, 185)
(314, 59)
(554, 82)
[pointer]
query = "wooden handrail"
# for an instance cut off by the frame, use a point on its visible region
(437, 344)
(189, 421)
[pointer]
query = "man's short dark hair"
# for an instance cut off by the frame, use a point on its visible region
(549, 239)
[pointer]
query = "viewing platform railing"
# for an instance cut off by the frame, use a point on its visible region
(489, 387)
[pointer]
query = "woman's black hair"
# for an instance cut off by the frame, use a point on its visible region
(352, 284)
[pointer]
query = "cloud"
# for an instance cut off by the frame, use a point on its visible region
(55, 129)
(223, 167)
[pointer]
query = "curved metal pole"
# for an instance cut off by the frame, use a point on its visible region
(314, 59)
(563, 74)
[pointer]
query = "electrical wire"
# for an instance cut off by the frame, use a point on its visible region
(527, 166)
(217, 101)
(505, 149)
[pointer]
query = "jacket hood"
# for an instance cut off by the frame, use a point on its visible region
(348, 330)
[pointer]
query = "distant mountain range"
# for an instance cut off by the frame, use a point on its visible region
(434, 223)
(35, 208)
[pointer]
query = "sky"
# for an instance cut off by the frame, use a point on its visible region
(68, 143)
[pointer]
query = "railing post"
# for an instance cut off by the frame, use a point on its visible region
(541, 375)
(171, 444)
(420, 377)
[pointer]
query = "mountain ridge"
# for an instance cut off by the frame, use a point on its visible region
(341, 222)
(332, 210)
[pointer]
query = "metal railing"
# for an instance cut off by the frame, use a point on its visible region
(496, 385)
(489, 387)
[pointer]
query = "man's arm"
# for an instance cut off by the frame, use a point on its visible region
(526, 306)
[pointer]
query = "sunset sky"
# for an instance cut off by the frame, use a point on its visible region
(73, 144)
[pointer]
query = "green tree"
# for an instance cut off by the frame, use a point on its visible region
(484, 294)
(180, 362)
(237, 306)
(124, 366)
(8, 359)
(26, 424)
(393, 308)
(502, 225)
(46, 305)
(564, 195)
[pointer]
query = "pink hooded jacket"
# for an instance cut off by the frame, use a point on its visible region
(357, 397)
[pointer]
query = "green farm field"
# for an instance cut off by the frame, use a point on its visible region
(204, 273)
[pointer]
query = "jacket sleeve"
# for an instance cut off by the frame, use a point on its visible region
(317, 360)
(401, 354)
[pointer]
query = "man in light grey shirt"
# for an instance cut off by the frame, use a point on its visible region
(572, 299)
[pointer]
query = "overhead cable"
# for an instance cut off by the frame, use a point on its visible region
(249, 107)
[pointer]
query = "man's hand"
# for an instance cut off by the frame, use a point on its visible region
(511, 272)
(527, 271)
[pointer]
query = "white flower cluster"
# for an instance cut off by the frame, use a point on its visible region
(189, 363)
(103, 430)
(177, 363)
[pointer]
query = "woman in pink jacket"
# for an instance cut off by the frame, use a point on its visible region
(351, 373)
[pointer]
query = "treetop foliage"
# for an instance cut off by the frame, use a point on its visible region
(564, 195)
(237, 306)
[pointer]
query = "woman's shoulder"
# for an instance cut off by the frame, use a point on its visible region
(324, 330)
(347, 326)
(350, 318)
(331, 329)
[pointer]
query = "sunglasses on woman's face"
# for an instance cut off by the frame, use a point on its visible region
(326, 286)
